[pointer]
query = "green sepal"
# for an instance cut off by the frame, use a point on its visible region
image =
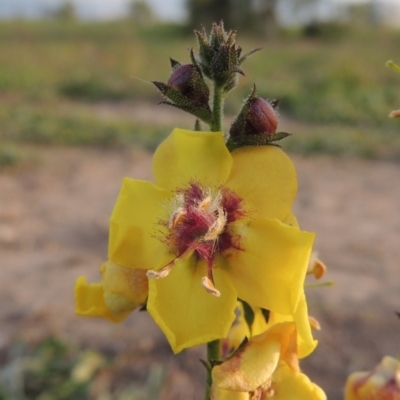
(196, 64)
(260, 139)
(239, 349)
(174, 64)
(239, 123)
(277, 136)
(206, 53)
(204, 115)
(206, 365)
(248, 314)
(180, 101)
(247, 55)
(238, 71)
(266, 314)
(231, 38)
(217, 36)
(223, 68)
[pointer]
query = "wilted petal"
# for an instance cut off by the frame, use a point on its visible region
(89, 300)
(121, 291)
(124, 287)
(254, 364)
(221, 394)
(382, 383)
(289, 384)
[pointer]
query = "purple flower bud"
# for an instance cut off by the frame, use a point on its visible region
(181, 78)
(262, 116)
(189, 82)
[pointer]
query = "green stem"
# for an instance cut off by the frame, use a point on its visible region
(213, 354)
(218, 109)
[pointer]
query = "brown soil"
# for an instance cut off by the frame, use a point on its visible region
(53, 228)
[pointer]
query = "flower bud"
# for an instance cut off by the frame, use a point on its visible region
(257, 117)
(383, 382)
(219, 57)
(188, 81)
(262, 117)
(187, 90)
(256, 124)
(181, 77)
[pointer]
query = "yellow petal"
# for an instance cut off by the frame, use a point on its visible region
(135, 227)
(238, 331)
(186, 313)
(289, 384)
(124, 287)
(191, 156)
(268, 270)
(265, 178)
(255, 363)
(291, 220)
(221, 394)
(89, 299)
(260, 324)
(305, 341)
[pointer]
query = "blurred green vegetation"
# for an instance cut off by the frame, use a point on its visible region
(331, 80)
(55, 370)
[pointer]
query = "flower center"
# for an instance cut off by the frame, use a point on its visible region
(199, 225)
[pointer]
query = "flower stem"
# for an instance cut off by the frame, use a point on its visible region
(213, 354)
(218, 109)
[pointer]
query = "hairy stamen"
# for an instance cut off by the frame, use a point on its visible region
(217, 226)
(209, 286)
(177, 217)
(162, 273)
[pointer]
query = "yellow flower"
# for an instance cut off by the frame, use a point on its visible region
(209, 231)
(266, 367)
(382, 383)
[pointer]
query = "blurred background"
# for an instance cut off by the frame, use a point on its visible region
(78, 113)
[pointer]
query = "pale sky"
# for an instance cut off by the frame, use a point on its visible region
(106, 9)
(166, 9)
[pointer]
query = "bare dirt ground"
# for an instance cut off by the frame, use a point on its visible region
(53, 228)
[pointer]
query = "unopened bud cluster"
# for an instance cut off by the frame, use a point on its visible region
(219, 59)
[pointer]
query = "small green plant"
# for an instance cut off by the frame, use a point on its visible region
(9, 156)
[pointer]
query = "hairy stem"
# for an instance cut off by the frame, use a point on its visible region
(213, 354)
(218, 109)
